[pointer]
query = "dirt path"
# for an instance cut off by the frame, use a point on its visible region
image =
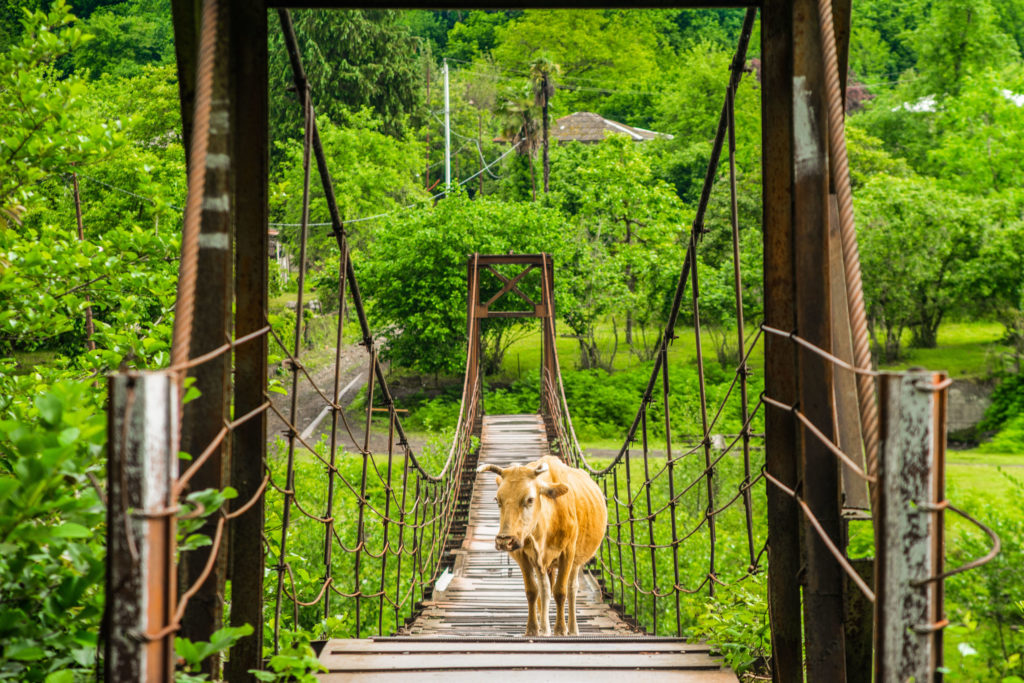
(311, 418)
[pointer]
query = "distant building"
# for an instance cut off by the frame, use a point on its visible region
(278, 253)
(585, 126)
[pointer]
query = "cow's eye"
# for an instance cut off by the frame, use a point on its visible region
(529, 501)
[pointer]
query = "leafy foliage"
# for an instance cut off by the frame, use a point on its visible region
(353, 59)
(379, 174)
(51, 534)
(41, 129)
(426, 321)
(919, 250)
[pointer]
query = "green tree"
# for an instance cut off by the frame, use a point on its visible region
(688, 107)
(881, 44)
(959, 38)
(520, 127)
(126, 37)
(352, 59)
(638, 219)
(596, 51)
(920, 248)
(980, 148)
(415, 274)
(477, 35)
(373, 173)
(42, 130)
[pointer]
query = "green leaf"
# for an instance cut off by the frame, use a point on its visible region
(60, 677)
(24, 653)
(71, 530)
(50, 407)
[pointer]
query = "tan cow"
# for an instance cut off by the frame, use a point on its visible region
(553, 519)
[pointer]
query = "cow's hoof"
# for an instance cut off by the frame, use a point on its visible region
(559, 630)
(531, 631)
(574, 631)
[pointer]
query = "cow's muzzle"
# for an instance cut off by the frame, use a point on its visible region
(507, 543)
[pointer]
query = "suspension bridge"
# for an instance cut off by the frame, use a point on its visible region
(395, 548)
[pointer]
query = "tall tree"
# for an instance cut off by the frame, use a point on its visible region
(960, 38)
(353, 59)
(542, 72)
(519, 126)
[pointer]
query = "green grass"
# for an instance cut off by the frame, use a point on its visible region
(28, 361)
(965, 349)
(966, 482)
(524, 354)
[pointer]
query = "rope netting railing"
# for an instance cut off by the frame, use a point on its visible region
(358, 526)
(661, 503)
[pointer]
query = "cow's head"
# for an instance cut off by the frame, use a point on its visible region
(519, 499)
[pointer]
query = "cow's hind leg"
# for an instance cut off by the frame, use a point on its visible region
(574, 581)
(565, 564)
(531, 585)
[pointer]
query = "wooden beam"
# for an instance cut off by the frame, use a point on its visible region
(142, 464)
(247, 90)
(185, 17)
(823, 586)
(204, 417)
(780, 354)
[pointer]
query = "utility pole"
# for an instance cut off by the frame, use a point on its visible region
(429, 110)
(447, 134)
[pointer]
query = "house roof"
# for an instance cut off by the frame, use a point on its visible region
(585, 126)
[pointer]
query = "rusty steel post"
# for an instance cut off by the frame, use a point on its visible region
(780, 354)
(907, 635)
(938, 588)
(204, 417)
(823, 585)
(142, 464)
(250, 164)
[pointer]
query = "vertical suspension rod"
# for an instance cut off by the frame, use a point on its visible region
(730, 99)
(671, 488)
(329, 514)
(709, 473)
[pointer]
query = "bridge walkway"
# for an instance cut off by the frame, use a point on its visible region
(475, 618)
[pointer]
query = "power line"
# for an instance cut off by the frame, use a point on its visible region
(127, 192)
(468, 140)
(570, 82)
(486, 168)
(404, 208)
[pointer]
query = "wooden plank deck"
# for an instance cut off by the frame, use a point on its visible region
(475, 624)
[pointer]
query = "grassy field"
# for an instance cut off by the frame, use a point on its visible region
(966, 349)
(969, 349)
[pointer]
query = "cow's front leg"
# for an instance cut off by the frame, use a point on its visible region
(531, 585)
(544, 602)
(565, 563)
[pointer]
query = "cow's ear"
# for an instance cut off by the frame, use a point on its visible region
(555, 490)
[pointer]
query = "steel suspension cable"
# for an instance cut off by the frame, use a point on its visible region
(840, 171)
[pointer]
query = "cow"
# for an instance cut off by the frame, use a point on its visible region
(553, 520)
